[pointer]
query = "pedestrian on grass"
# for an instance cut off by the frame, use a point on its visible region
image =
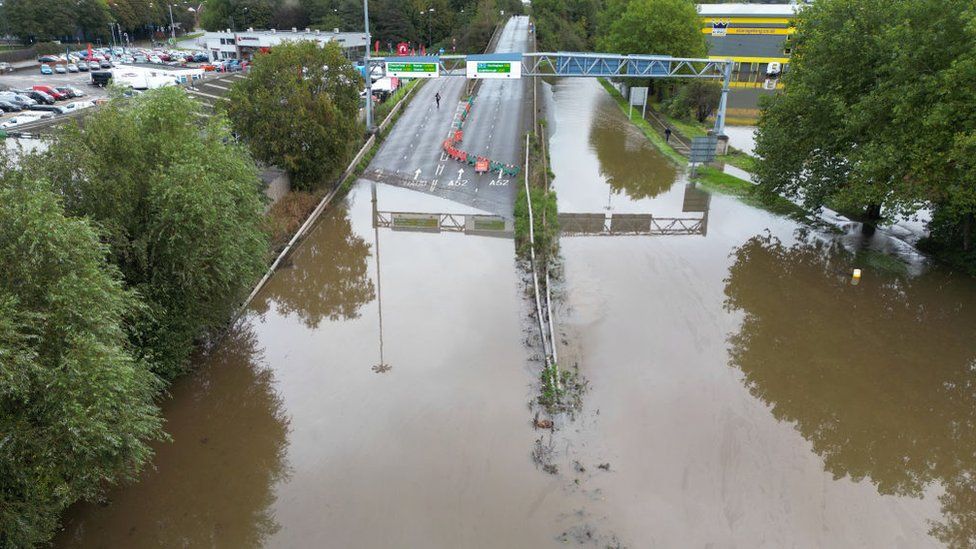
(437, 99)
(667, 134)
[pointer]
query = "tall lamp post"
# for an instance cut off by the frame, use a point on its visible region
(369, 72)
(429, 38)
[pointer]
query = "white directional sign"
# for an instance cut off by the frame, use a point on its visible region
(497, 65)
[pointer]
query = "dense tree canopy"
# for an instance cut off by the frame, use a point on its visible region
(441, 23)
(878, 113)
(76, 408)
(179, 205)
(664, 27)
(565, 25)
(39, 20)
(297, 108)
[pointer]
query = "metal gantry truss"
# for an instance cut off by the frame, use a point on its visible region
(597, 65)
(606, 65)
(631, 224)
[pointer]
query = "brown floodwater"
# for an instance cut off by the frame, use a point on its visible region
(742, 392)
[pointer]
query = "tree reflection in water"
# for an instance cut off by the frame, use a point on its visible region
(879, 377)
(326, 276)
(213, 485)
(628, 161)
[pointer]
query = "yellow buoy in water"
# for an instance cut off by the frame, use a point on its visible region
(856, 277)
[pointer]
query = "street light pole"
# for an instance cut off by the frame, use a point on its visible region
(172, 26)
(369, 72)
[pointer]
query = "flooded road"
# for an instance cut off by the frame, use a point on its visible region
(743, 391)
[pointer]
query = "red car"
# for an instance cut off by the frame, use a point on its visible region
(51, 91)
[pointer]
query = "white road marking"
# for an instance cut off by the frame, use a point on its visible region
(416, 174)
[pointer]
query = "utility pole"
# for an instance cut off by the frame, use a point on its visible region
(172, 26)
(369, 72)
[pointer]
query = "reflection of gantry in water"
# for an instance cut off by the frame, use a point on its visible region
(614, 224)
(434, 222)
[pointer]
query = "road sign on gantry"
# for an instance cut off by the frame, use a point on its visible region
(413, 67)
(494, 65)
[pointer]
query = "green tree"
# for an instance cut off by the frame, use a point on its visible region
(565, 25)
(663, 27)
(877, 115)
(36, 20)
(76, 409)
(297, 108)
(698, 98)
(179, 205)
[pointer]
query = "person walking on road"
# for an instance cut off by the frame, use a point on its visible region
(667, 134)
(437, 99)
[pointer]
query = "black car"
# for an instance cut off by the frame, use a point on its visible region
(50, 108)
(101, 78)
(40, 97)
(9, 106)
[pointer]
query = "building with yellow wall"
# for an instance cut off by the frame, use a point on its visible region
(753, 35)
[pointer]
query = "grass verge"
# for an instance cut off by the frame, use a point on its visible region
(544, 210)
(716, 180)
(644, 126)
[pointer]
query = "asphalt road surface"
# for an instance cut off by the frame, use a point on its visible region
(412, 157)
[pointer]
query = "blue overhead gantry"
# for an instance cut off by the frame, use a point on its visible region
(562, 64)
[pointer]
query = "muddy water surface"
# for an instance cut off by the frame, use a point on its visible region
(743, 392)
(292, 435)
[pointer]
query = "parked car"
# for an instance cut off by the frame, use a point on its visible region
(17, 99)
(39, 96)
(71, 91)
(58, 96)
(72, 67)
(6, 67)
(60, 69)
(47, 59)
(51, 108)
(105, 64)
(93, 65)
(9, 106)
(46, 69)
(82, 66)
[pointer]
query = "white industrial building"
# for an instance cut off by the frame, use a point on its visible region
(243, 45)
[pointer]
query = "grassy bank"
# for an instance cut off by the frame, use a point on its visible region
(544, 210)
(649, 132)
(714, 179)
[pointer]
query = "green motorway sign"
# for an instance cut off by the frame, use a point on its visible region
(502, 67)
(412, 69)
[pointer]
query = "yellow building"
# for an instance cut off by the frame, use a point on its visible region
(753, 35)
